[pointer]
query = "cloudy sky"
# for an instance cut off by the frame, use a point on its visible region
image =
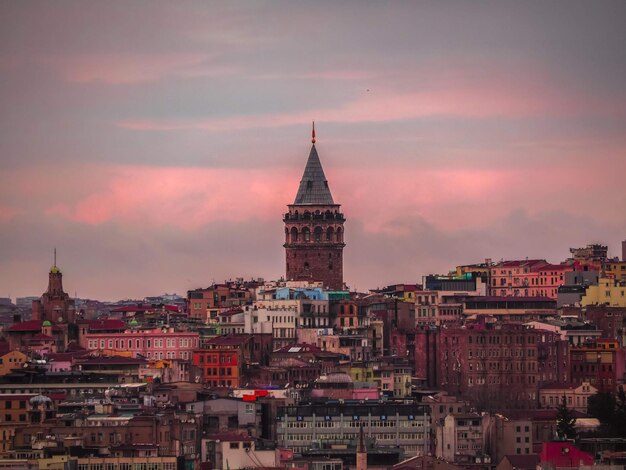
(156, 144)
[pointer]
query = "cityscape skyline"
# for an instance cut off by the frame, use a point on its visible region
(159, 151)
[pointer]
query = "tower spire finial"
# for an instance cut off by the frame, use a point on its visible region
(55, 256)
(313, 133)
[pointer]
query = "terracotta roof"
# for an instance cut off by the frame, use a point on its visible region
(232, 311)
(106, 324)
(517, 263)
(42, 337)
(31, 325)
(552, 267)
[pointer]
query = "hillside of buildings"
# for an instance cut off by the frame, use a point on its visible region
(508, 364)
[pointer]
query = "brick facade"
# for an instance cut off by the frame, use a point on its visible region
(314, 244)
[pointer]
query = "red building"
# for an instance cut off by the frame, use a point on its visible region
(563, 454)
(32, 334)
(314, 230)
(609, 320)
(493, 365)
(222, 361)
(104, 326)
(601, 363)
(203, 304)
(527, 278)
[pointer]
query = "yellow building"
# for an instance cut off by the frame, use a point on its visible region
(402, 382)
(608, 292)
(361, 372)
(483, 269)
(12, 360)
(616, 270)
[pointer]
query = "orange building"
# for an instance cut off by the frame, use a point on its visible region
(346, 314)
(600, 363)
(22, 410)
(12, 360)
(221, 361)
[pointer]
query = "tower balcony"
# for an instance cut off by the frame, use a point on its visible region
(312, 244)
(328, 217)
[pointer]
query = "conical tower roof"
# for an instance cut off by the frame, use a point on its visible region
(313, 185)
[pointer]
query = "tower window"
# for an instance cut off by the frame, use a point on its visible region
(306, 265)
(306, 234)
(317, 234)
(309, 184)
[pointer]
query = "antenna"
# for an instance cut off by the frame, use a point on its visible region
(313, 133)
(55, 256)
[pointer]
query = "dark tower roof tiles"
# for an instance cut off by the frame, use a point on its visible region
(314, 188)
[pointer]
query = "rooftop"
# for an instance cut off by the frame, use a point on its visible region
(314, 188)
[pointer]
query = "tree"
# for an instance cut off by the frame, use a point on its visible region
(565, 421)
(619, 417)
(602, 406)
(610, 410)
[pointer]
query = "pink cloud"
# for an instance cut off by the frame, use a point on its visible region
(450, 199)
(117, 69)
(7, 213)
(475, 100)
(320, 75)
(182, 197)
(459, 199)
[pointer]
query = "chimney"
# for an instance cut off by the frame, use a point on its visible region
(624, 250)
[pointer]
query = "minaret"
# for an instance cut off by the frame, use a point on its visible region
(361, 452)
(314, 229)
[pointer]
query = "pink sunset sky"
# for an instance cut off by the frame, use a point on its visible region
(157, 144)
